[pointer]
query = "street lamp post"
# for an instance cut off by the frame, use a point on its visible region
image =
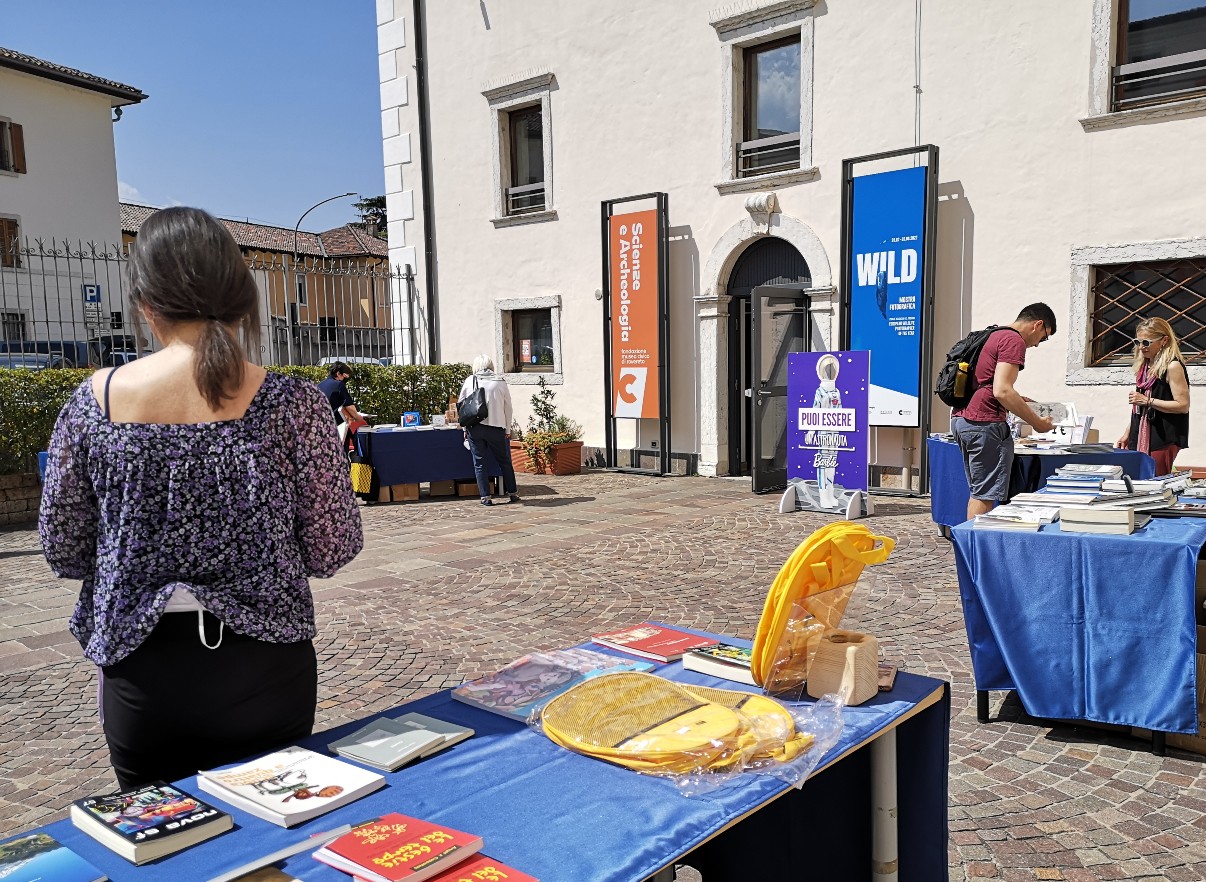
(290, 301)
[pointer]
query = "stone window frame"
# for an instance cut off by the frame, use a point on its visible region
(1103, 45)
(1084, 258)
(740, 27)
(503, 342)
(530, 88)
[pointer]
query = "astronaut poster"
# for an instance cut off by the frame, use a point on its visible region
(827, 396)
(887, 256)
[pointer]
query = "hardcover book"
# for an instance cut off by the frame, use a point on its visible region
(385, 746)
(531, 681)
(150, 822)
(39, 857)
(722, 660)
(290, 786)
(658, 642)
(395, 847)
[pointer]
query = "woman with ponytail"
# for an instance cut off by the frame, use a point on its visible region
(195, 494)
(1160, 400)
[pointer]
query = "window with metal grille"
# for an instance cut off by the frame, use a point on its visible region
(1161, 52)
(327, 325)
(771, 108)
(1122, 294)
(13, 324)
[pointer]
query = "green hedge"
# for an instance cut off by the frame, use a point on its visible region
(30, 401)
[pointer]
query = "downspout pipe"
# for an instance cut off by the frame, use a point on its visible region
(429, 235)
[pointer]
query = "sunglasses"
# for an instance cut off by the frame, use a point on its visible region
(1145, 343)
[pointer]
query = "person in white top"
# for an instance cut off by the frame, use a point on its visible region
(491, 437)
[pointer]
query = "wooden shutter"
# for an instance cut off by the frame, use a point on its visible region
(18, 138)
(8, 241)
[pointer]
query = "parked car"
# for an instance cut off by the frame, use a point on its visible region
(32, 361)
(351, 359)
(117, 357)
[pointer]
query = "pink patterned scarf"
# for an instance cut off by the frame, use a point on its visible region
(1144, 382)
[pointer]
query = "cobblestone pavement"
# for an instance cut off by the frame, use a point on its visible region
(446, 590)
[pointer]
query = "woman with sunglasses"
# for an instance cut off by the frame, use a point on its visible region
(1160, 400)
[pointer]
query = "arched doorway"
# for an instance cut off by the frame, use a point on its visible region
(767, 261)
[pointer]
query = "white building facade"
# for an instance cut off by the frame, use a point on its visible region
(58, 186)
(1070, 138)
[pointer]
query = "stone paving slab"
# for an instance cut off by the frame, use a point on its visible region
(447, 589)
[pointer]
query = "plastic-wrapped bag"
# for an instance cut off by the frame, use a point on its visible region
(808, 598)
(700, 737)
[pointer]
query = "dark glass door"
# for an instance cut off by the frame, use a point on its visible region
(779, 325)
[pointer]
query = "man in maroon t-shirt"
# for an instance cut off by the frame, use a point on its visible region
(981, 428)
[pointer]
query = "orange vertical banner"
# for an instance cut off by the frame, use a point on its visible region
(635, 317)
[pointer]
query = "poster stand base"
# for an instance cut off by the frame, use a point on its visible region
(805, 496)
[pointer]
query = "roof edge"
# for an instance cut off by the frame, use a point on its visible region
(127, 94)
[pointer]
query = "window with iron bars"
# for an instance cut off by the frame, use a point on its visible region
(13, 326)
(1123, 294)
(327, 328)
(1161, 52)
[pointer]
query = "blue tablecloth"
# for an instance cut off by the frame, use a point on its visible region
(1086, 626)
(948, 481)
(562, 817)
(419, 456)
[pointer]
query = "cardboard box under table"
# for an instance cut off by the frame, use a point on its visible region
(563, 817)
(418, 456)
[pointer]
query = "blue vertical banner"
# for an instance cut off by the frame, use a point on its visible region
(827, 397)
(887, 257)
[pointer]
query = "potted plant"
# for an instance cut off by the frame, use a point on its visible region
(552, 442)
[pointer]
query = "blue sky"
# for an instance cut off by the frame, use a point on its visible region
(257, 109)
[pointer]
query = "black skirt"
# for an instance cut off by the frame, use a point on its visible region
(173, 706)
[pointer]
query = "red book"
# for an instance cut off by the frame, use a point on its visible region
(657, 642)
(481, 868)
(394, 848)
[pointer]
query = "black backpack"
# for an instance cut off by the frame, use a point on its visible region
(956, 381)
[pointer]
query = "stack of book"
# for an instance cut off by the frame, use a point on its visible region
(149, 822)
(398, 848)
(530, 682)
(1140, 500)
(1079, 478)
(1101, 519)
(1016, 516)
(1173, 483)
(290, 786)
(388, 743)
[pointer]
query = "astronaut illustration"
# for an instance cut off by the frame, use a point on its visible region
(827, 397)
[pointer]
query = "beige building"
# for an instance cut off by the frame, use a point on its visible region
(334, 301)
(1070, 138)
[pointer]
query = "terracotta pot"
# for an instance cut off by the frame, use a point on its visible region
(566, 459)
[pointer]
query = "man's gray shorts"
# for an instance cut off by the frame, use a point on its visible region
(987, 457)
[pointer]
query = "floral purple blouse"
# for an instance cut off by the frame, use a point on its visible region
(240, 512)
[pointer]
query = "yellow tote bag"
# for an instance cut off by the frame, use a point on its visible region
(651, 724)
(818, 578)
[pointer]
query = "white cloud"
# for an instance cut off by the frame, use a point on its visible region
(128, 193)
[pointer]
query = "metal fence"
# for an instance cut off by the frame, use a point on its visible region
(72, 299)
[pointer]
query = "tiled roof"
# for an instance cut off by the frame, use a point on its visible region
(120, 92)
(345, 241)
